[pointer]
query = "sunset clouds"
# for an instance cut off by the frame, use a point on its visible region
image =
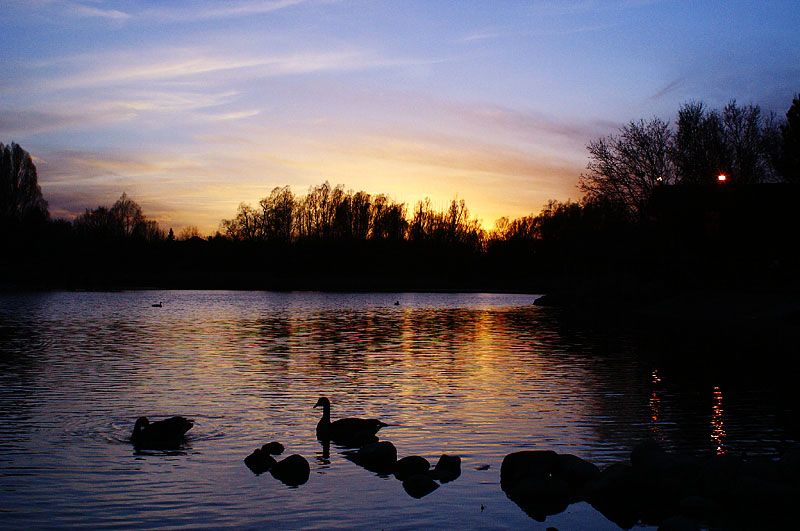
(193, 107)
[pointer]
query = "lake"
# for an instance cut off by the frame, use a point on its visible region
(473, 375)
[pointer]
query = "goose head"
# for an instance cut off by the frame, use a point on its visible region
(141, 424)
(324, 402)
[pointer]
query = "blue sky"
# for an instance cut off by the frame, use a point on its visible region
(194, 107)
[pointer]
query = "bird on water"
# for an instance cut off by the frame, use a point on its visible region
(349, 431)
(162, 434)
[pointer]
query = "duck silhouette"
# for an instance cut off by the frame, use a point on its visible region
(162, 434)
(349, 432)
(157, 305)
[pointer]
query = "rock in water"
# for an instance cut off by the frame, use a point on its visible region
(409, 466)
(293, 470)
(447, 468)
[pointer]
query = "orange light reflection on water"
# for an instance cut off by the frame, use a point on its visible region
(655, 407)
(717, 424)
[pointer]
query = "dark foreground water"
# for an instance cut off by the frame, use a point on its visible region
(478, 376)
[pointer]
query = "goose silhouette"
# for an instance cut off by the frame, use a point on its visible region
(162, 434)
(347, 432)
(157, 305)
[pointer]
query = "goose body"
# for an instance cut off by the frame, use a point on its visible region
(167, 433)
(349, 431)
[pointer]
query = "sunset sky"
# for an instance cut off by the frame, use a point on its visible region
(194, 107)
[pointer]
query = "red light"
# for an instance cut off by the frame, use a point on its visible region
(722, 177)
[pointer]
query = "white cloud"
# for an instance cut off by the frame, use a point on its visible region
(82, 10)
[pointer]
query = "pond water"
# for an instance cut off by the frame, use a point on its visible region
(473, 375)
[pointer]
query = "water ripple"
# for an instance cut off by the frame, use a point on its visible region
(468, 374)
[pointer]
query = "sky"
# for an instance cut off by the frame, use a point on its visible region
(192, 107)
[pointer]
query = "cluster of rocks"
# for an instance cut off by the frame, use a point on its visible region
(293, 470)
(659, 488)
(418, 478)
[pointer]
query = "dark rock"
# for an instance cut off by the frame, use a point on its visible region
(790, 465)
(650, 457)
(757, 495)
(259, 461)
(543, 483)
(379, 457)
(614, 493)
(539, 496)
(663, 478)
(615, 481)
(293, 470)
(273, 448)
(419, 485)
(699, 508)
(447, 468)
(410, 466)
(717, 476)
(529, 463)
(576, 471)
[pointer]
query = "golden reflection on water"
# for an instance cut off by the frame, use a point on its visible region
(449, 373)
(717, 424)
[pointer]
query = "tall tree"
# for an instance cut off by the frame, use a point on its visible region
(788, 159)
(743, 129)
(124, 220)
(625, 169)
(736, 141)
(700, 152)
(277, 212)
(21, 198)
(128, 215)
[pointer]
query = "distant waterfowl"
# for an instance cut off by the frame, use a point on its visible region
(397, 303)
(349, 431)
(162, 434)
(158, 305)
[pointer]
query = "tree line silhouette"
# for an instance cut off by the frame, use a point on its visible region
(654, 218)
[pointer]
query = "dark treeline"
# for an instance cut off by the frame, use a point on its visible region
(654, 219)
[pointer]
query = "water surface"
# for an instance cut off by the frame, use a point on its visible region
(475, 375)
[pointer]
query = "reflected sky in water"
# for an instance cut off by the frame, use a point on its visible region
(473, 375)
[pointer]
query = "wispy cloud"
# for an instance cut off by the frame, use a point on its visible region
(143, 66)
(82, 10)
(172, 12)
(542, 31)
(216, 10)
(668, 89)
(120, 107)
